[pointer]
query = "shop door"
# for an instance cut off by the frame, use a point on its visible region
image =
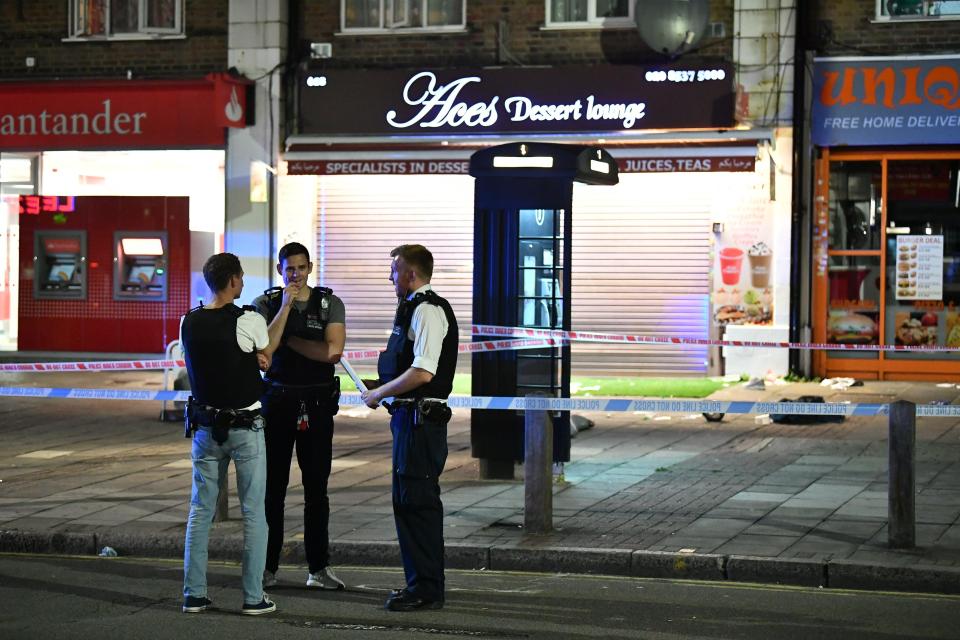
(887, 241)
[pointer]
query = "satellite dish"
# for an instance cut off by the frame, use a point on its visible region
(672, 27)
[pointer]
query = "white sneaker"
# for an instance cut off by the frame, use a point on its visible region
(325, 579)
(269, 579)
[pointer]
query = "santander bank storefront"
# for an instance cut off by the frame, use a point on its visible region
(70, 139)
(381, 158)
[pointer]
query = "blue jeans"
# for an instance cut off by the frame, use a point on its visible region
(247, 450)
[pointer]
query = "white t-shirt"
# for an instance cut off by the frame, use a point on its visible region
(428, 327)
(251, 335)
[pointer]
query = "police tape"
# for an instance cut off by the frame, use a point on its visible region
(622, 338)
(506, 403)
(364, 354)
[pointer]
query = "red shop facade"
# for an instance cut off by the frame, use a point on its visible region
(92, 263)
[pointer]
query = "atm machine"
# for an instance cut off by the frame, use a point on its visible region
(523, 198)
(60, 265)
(140, 265)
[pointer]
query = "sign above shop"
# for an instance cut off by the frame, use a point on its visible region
(886, 101)
(121, 114)
(598, 99)
(686, 164)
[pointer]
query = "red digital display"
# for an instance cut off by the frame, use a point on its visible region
(34, 205)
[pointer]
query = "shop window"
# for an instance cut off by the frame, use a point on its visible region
(390, 15)
(894, 10)
(855, 206)
(125, 19)
(589, 13)
(853, 304)
(923, 257)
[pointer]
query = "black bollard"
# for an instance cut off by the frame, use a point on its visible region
(901, 483)
(538, 471)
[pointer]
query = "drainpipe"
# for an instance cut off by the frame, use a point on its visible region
(800, 226)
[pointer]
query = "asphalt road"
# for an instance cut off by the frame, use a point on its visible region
(55, 597)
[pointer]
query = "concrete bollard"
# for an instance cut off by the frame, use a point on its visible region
(901, 483)
(538, 471)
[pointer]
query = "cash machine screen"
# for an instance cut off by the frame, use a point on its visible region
(61, 272)
(141, 274)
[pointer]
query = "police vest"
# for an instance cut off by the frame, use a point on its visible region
(222, 375)
(398, 356)
(288, 366)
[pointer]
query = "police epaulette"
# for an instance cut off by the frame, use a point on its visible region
(273, 292)
(324, 291)
(248, 307)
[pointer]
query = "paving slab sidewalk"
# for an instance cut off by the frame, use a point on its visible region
(648, 495)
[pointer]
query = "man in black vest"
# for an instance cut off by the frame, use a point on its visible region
(307, 329)
(417, 371)
(225, 348)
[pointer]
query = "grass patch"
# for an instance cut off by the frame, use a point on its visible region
(616, 387)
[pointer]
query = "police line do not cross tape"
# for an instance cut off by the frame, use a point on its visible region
(483, 346)
(506, 403)
(519, 338)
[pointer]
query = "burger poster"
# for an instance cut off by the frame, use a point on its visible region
(919, 269)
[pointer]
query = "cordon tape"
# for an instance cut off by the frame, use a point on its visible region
(605, 405)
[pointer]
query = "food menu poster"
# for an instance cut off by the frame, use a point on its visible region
(919, 268)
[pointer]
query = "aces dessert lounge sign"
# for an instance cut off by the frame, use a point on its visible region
(602, 98)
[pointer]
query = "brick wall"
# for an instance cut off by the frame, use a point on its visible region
(525, 41)
(43, 25)
(845, 27)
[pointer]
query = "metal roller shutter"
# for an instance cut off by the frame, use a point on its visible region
(641, 260)
(361, 218)
(641, 263)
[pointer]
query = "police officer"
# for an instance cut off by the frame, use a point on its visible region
(225, 348)
(417, 371)
(306, 327)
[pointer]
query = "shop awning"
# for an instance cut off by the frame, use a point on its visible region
(669, 152)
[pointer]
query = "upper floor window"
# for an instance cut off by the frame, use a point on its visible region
(917, 9)
(589, 13)
(125, 19)
(386, 15)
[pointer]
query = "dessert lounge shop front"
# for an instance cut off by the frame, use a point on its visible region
(61, 141)
(886, 228)
(381, 158)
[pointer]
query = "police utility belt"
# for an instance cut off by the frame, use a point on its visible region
(423, 409)
(219, 421)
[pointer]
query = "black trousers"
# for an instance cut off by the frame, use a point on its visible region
(314, 449)
(417, 509)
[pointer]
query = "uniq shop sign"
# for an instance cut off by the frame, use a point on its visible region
(886, 101)
(544, 100)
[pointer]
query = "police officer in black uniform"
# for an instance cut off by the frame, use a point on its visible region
(417, 371)
(307, 329)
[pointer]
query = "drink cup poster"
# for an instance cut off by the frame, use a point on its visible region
(743, 268)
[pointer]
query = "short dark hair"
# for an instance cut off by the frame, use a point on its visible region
(219, 268)
(416, 256)
(292, 249)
